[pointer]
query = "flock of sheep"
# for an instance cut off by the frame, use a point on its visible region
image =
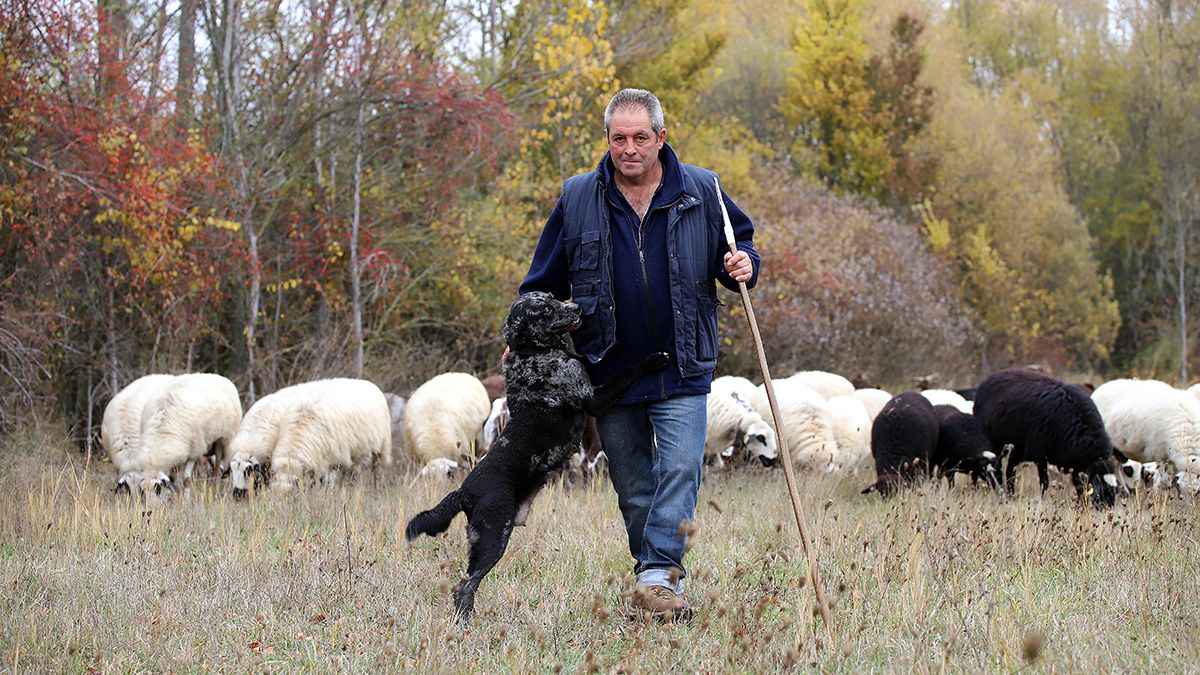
(1140, 432)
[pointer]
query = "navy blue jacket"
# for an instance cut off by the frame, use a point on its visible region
(642, 286)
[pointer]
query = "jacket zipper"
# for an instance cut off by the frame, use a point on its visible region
(641, 241)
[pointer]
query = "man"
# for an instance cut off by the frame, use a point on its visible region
(637, 244)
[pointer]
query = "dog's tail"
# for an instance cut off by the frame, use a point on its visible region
(434, 521)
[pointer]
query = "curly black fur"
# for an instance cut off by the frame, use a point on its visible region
(963, 447)
(1047, 422)
(903, 438)
(549, 396)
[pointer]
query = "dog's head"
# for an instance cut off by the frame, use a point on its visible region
(538, 320)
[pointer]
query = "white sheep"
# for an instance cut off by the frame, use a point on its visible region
(444, 417)
(851, 430)
(1194, 390)
(493, 426)
(254, 444)
(181, 421)
(949, 397)
(873, 400)
(826, 384)
(1151, 421)
(732, 421)
(732, 384)
(121, 426)
(807, 426)
(331, 425)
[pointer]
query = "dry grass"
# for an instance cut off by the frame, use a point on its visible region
(322, 580)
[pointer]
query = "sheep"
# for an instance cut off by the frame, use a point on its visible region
(948, 397)
(252, 447)
(1194, 390)
(826, 384)
(181, 421)
(851, 430)
(444, 416)
(494, 425)
(396, 405)
(873, 400)
(732, 421)
(1047, 421)
(962, 446)
(903, 439)
(121, 426)
(747, 390)
(807, 426)
(1150, 421)
(330, 425)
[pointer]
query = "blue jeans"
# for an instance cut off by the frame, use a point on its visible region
(655, 458)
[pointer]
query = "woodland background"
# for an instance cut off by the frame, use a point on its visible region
(281, 190)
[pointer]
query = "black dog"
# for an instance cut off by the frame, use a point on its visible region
(549, 396)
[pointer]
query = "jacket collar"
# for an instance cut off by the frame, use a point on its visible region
(672, 179)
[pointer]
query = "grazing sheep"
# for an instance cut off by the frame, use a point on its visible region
(826, 384)
(903, 440)
(873, 400)
(444, 417)
(121, 426)
(807, 426)
(732, 384)
(851, 431)
(1150, 421)
(182, 421)
(442, 468)
(249, 453)
(330, 425)
(948, 397)
(963, 447)
(732, 421)
(1047, 421)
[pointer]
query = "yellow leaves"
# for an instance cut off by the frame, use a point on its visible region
(221, 223)
(938, 229)
(285, 285)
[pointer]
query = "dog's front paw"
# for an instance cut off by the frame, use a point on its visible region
(658, 360)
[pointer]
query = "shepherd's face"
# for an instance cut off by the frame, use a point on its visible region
(632, 143)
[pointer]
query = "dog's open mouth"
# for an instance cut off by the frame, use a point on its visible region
(574, 324)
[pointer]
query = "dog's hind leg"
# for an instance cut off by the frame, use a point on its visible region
(487, 532)
(436, 520)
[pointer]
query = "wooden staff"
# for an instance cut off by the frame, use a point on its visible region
(788, 473)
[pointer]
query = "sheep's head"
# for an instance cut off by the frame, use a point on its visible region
(442, 468)
(129, 484)
(243, 472)
(538, 320)
(158, 486)
(1099, 482)
(759, 441)
(985, 466)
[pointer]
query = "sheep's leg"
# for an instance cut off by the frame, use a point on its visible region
(489, 526)
(1043, 476)
(188, 469)
(1010, 471)
(605, 396)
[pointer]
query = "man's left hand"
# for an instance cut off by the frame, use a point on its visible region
(739, 266)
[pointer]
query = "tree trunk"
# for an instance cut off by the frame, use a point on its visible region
(112, 27)
(187, 66)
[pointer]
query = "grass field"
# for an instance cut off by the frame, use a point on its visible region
(322, 580)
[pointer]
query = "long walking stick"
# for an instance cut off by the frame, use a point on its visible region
(788, 473)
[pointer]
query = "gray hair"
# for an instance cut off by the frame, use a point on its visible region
(635, 98)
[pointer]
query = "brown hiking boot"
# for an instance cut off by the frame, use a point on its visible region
(659, 602)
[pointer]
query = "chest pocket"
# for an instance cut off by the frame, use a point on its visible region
(583, 252)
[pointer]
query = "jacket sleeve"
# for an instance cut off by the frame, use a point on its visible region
(743, 232)
(548, 270)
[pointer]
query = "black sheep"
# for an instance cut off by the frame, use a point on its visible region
(903, 438)
(1046, 421)
(963, 447)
